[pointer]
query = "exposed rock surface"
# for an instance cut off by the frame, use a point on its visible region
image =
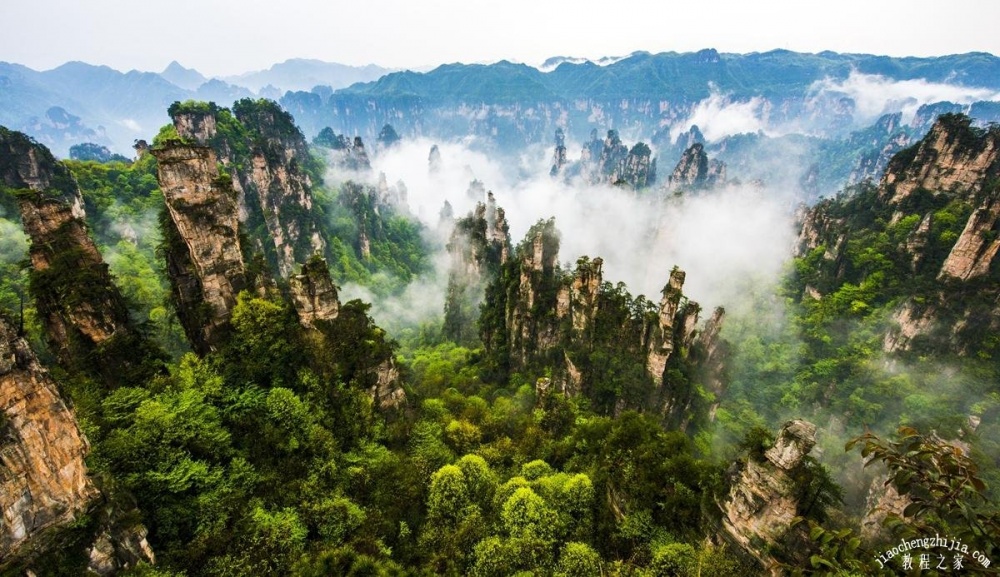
(950, 159)
(541, 318)
(204, 255)
(610, 161)
(119, 548)
(531, 331)
(661, 337)
(762, 498)
(883, 500)
(268, 157)
(694, 170)
(345, 153)
(43, 477)
(974, 251)
(479, 246)
(559, 155)
(314, 297)
(387, 391)
(314, 294)
(939, 202)
(79, 304)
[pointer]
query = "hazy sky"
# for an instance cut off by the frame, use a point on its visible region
(230, 36)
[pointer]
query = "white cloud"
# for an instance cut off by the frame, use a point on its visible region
(723, 239)
(717, 117)
(130, 124)
(875, 95)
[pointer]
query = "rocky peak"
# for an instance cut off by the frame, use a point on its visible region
(540, 318)
(559, 155)
(434, 160)
(675, 329)
(762, 499)
(275, 128)
(479, 246)
(359, 156)
(610, 161)
(394, 195)
(613, 154)
(941, 196)
(25, 164)
(581, 296)
(638, 170)
(268, 158)
(661, 338)
(497, 229)
(204, 256)
(694, 170)
(794, 442)
(953, 158)
(195, 125)
(82, 309)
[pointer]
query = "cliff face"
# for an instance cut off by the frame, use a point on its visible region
(204, 255)
(661, 336)
(938, 207)
(44, 482)
(532, 331)
(314, 297)
(479, 247)
(595, 338)
(268, 158)
(952, 158)
(347, 154)
(762, 498)
(80, 306)
(210, 214)
(314, 294)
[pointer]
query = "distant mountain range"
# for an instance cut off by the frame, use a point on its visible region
(776, 96)
(303, 74)
(79, 102)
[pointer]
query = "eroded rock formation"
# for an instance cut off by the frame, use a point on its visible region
(559, 155)
(82, 309)
(43, 477)
(762, 499)
(314, 297)
(479, 246)
(610, 161)
(587, 332)
(952, 158)
(694, 170)
(939, 203)
(268, 159)
(204, 256)
(314, 294)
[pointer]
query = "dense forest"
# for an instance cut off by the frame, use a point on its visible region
(242, 420)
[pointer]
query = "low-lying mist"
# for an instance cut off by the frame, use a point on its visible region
(874, 95)
(725, 239)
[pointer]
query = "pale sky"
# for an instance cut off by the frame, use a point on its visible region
(221, 37)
